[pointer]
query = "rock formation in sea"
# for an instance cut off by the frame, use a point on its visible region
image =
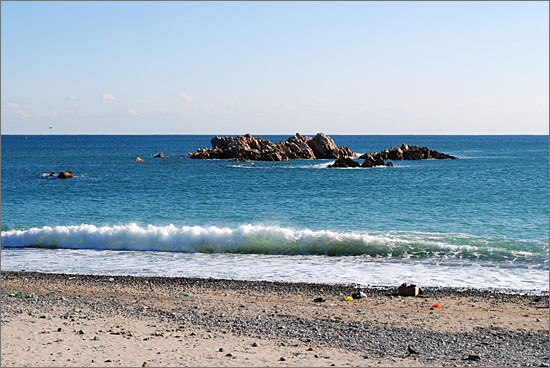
(65, 174)
(405, 152)
(345, 162)
(249, 148)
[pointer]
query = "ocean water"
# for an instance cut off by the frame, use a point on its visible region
(480, 221)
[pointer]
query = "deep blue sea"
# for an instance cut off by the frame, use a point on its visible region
(480, 221)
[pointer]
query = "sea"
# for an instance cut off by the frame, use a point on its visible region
(481, 221)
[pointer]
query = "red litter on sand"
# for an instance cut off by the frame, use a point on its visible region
(437, 306)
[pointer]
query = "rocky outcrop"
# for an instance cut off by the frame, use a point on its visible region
(65, 174)
(324, 147)
(159, 155)
(249, 148)
(406, 152)
(139, 159)
(345, 162)
(372, 160)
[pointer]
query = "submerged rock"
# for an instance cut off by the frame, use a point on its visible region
(65, 174)
(345, 162)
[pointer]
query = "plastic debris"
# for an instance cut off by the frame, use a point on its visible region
(358, 294)
(348, 298)
(28, 296)
(184, 294)
(437, 306)
(16, 293)
(111, 279)
(225, 294)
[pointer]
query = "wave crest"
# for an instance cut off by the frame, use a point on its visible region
(255, 239)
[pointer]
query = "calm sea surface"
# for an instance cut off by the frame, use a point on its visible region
(480, 221)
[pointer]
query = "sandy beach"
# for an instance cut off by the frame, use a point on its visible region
(73, 320)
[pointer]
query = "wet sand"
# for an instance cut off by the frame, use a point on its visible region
(76, 320)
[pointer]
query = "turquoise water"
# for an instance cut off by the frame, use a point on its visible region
(488, 208)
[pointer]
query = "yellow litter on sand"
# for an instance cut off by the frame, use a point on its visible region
(348, 298)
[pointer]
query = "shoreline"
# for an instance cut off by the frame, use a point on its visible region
(377, 289)
(99, 320)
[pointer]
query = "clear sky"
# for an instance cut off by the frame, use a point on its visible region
(275, 67)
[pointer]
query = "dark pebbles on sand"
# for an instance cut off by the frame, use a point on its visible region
(484, 346)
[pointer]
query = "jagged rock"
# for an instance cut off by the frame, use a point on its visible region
(159, 155)
(344, 151)
(324, 147)
(139, 159)
(345, 162)
(372, 160)
(65, 174)
(248, 148)
(389, 164)
(406, 152)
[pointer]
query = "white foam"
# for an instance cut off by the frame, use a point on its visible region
(259, 239)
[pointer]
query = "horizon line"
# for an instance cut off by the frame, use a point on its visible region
(258, 134)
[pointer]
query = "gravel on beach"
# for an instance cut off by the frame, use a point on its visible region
(263, 323)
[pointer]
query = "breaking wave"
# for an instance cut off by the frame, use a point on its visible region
(256, 239)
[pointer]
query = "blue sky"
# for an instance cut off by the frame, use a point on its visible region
(275, 67)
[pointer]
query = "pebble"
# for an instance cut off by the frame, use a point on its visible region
(282, 359)
(255, 344)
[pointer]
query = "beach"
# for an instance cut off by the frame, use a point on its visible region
(84, 320)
